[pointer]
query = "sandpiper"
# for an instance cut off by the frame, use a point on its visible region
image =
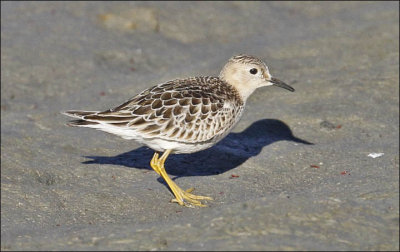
(184, 115)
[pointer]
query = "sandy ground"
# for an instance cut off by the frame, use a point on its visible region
(80, 189)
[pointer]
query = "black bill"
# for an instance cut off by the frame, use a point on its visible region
(281, 84)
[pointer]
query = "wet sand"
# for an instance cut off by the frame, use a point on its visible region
(66, 188)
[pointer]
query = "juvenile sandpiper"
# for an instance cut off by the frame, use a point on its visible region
(184, 115)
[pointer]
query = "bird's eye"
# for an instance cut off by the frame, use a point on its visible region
(253, 70)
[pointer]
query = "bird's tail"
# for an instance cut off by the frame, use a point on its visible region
(80, 114)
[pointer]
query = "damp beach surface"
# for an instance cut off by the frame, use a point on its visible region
(297, 173)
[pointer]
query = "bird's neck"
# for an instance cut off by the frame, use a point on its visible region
(243, 89)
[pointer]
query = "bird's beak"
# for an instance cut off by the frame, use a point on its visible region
(281, 84)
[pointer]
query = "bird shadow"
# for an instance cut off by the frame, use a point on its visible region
(227, 154)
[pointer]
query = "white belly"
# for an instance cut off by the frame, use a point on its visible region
(176, 147)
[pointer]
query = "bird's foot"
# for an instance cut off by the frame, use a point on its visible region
(185, 198)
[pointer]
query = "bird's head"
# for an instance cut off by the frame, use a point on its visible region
(247, 73)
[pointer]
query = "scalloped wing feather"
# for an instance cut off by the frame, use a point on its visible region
(188, 110)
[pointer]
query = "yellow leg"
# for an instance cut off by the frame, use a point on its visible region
(180, 195)
(153, 163)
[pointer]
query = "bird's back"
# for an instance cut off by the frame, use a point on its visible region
(193, 110)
